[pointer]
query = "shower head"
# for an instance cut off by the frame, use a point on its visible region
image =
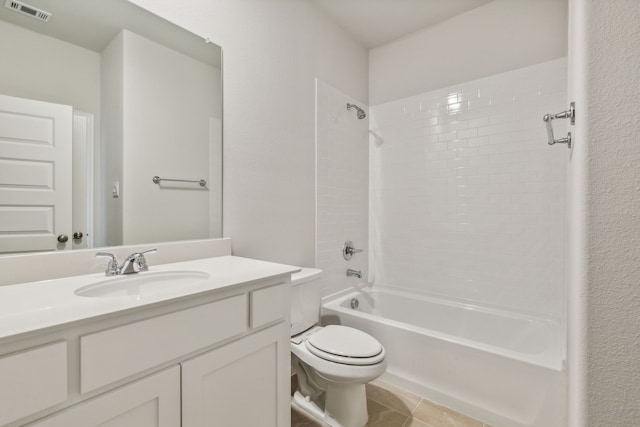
(361, 113)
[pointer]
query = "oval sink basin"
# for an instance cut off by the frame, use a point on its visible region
(141, 284)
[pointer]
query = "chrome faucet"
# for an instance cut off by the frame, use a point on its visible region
(355, 273)
(134, 263)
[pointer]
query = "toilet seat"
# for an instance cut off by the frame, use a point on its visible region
(345, 345)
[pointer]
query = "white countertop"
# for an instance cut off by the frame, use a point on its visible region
(33, 306)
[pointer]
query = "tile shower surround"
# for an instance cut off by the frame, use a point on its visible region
(467, 198)
(342, 186)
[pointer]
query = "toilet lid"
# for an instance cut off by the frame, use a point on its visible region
(345, 342)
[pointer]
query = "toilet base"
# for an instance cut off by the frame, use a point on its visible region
(312, 409)
(346, 406)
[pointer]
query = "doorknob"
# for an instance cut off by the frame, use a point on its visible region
(63, 238)
(78, 235)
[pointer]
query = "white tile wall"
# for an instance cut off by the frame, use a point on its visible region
(342, 186)
(467, 198)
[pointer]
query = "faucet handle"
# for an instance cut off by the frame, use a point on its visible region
(112, 266)
(349, 249)
(142, 261)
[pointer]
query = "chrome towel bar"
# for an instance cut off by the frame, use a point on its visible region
(568, 114)
(157, 180)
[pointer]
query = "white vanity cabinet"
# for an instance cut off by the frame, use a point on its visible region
(219, 357)
(153, 401)
(32, 379)
(238, 385)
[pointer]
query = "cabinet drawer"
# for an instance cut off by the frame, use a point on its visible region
(269, 304)
(32, 380)
(114, 354)
(153, 401)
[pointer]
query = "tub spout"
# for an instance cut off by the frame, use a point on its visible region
(356, 273)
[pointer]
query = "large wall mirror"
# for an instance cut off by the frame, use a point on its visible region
(98, 97)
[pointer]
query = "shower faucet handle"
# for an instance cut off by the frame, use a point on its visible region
(348, 250)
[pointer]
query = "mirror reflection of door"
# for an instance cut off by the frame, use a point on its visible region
(153, 92)
(35, 175)
(83, 171)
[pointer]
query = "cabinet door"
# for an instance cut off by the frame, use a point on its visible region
(245, 383)
(151, 402)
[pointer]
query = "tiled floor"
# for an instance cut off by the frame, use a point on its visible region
(392, 407)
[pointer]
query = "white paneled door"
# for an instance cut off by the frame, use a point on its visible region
(35, 175)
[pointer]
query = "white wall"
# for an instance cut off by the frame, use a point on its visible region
(215, 175)
(604, 348)
(342, 200)
(112, 135)
(576, 220)
(168, 139)
(500, 36)
(467, 197)
(144, 136)
(272, 52)
(72, 74)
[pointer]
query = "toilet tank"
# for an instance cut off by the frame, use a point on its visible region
(305, 299)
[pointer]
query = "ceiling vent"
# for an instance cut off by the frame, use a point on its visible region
(24, 8)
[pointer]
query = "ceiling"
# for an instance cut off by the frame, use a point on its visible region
(376, 22)
(93, 24)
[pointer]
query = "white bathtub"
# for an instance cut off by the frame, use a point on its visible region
(502, 368)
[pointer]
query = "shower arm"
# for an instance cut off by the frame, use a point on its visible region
(361, 113)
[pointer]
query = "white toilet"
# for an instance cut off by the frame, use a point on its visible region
(333, 363)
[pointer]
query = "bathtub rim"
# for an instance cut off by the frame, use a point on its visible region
(367, 286)
(555, 362)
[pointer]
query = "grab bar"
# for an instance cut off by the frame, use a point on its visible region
(157, 180)
(568, 114)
